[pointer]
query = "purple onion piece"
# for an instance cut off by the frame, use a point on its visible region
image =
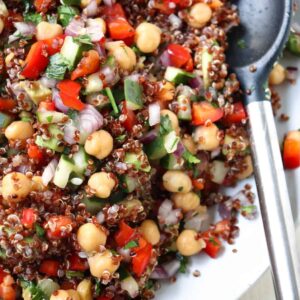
(92, 9)
(225, 209)
(180, 150)
(165, 59)
(149, 137)
(58, 102)
(159, 273)
(292, 73)
(196, 83)
(166, 270)
(75, 27)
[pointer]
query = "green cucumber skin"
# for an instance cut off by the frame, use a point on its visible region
(133, 158)
(133, 94)
(170, 162)
(5, 120)
(71, 2)
(63, 171)
(47, 117)
(52, 143)
(156, 149)
(178, 76)
(130, 183)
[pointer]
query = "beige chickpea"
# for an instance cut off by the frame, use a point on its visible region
(85, 3)
(187, 202)
(147, 37)
(90, 237)
(248, 171)
(102, 263)
(177, 182)
(15, 187)
(19, 130)
(45, 30)
(199, 15)
(37, 184)
(3, 9)
(99, 144)
(207, 137)
(125, 57)
(189, 144)
(99, 22)
(74, 295)
(188, 243)
(60, 295)
(84, 289)
(132, 205)
(218, 171)
(277, 75)
(150, 232)
(173, 118)
(1, 25)
(102, 184)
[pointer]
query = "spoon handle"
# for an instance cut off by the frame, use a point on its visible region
(274, 201)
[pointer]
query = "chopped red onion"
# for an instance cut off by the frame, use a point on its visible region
(109, 2)
(23, 30)
(180, 149)
(166, 270)
(70, 133)
(167, 215)
(165, 59)
(75, 27)
(50, 83)
(149, 136)
(159, 273)
(215, 152)
(154, 113)
(225, 209)
(92, 9)
(196, 82)
(195, 222)
(111, 75)
(58, 102)
(125, 253)
(175, 21)
(100, 217)
(95, 32)
(291, 73)
(49, 171)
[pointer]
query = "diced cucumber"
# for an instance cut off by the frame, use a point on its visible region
(94, 83)
(66, 14)
(98, 100)
(72, 51)
(130, 285)
(184, 108)
(171, 141)
(171, 162)
(36, 91)
(71, 2)
(80, 160)
(51, 143)
(206, 61)
(130, 183)
(133, 94)
(48, 286)
(49, 117)
(178, 76)
(156, 149)
(135, 160)
(63, 171)
(293, 43)
(5, 120)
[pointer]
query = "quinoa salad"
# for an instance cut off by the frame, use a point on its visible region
(120, 126)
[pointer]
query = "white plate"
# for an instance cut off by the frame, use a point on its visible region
(231, 275)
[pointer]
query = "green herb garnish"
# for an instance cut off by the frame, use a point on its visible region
(57, 67)
(131, 244)
(112, 100)
(241, 44)
(190, 158)
(66, 14)
(33, 18)
(74, 274)
(39, 230)
(83, 39)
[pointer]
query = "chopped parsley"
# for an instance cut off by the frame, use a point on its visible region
(183, 263)
(33, 18)
(34, 290)
(190, 158)
(83, 39)
(131, 244)
(213, 241)
(97, 287)
(39, 230)
(74, 274)
(57, 67)
(72, 114)
(242, 44)
(66, 14)
(165, 125)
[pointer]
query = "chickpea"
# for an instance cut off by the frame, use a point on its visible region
(60, 295)
(189, 144)
(85, 3)
(150, 232)
(1, 25)
(218, 171)
(15, 187)
(84, 289)
(177, 181)
(187, 202)
(37, 184)
(199, 15)
(207, 137)
(147, 37)
(125, 57)
(97, 22)
(74, 295)
(248, 170)
(277, 75)
(3, 9)
(132, 205)
(45, 30)
(102, 183)
(173, 118)
(19, 130)
(111, 46)
(102, 263)
(99, 144)
(188, 243)
(90, 237)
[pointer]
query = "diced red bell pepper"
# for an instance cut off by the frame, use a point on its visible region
(54, 45)
(49, 267)
(198, 184)
(89, 64)
(29, 216)
(3, 274)
(291, 150)
(58, 227)
(213, 244)
(36, 61)
(120, 29)
(113, 12)
(46, 105)
(205, 111)
(77, 263)
(124, 235)
(238, 114)
(35, 152)
(42, 5)
(166, 7)
(8, 289)
(7, 104)
(179, 56)
(103, 298)
(141, 260)
(131, 119)
(69, 93)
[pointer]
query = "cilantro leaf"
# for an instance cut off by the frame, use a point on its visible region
(165, 125)
(83, 39)
(72, 114)
(74, 274)
(131, 244)
(66, 14)
(57, 67)
(39, 230)
(97, 287)
(33, 18)
(34, 290)
(183, 263)
(190, 158)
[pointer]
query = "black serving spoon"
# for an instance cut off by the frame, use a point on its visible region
(263, 31)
